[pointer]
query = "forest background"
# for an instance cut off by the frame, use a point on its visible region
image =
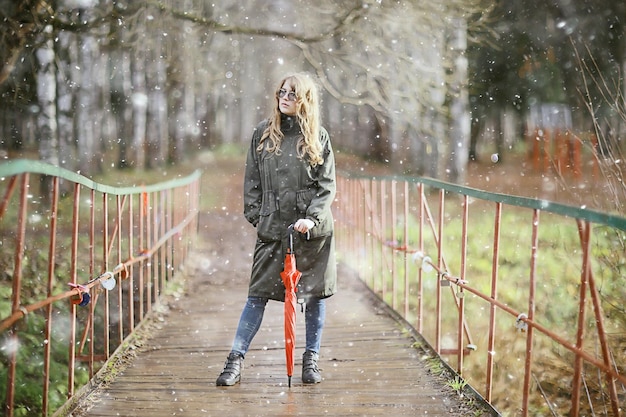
(418, 85)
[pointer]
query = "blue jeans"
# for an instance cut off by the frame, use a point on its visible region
(252, 316)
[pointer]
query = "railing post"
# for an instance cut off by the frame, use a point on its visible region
(439, 267)
(17, 288)
(531, 311)
(383, 249)
(420, 247)
(54, 204)
(164, 249)
(584, 283)
(360, 228)
(130, 268)
(7, 195)
(73, 279)
(168, 221)
(460, 326)
(405, 252)
(105, 261)
(494, 296)
(394, 240)
(374, 235)
(149, 264)
(143, 207)
(599, 316)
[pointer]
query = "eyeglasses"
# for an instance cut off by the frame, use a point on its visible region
(291, 95)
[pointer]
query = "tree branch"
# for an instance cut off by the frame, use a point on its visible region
(328, 85)
(344, 21)
(19, 28)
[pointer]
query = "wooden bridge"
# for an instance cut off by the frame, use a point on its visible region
(158, 274)
(372, 364)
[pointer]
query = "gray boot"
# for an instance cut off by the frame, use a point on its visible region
(310, 371)
(232, 370)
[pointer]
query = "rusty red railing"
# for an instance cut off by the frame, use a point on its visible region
(83, 264)
(522, 297)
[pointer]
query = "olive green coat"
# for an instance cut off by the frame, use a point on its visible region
(279, 190)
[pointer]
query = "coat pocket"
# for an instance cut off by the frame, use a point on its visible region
(325, 228)
(268, 203)
(268, 228)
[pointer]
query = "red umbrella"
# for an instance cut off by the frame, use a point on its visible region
(290, 277)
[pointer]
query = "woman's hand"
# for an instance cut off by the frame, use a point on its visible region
(303, 225)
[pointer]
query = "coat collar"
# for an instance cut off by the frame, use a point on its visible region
(289, 124)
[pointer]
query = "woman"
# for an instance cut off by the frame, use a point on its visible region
(289, 180)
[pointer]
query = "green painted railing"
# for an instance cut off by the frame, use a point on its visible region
(22, 166)
(83, 270)
(523, 297)
(582, 213)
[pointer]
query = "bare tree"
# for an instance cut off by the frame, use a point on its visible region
(46, 94)
(66, 88)
(406, 62)
(87, 110)
(384, 66)
(23, 20)
(139, 93)
(392, 72)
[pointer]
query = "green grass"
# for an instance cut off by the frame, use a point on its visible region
(457, 384)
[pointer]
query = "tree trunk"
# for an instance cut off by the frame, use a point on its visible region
(157, 129)
(47, 118)
(66, 56)
(120, 106)
(460, 123)
(478, 121)
(180, 93)
(86, 107)
(139, 98)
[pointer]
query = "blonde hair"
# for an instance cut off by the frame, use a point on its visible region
(307, 114)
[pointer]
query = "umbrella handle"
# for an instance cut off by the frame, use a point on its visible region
(291, 231)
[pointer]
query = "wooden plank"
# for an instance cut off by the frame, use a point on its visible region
(368, 365)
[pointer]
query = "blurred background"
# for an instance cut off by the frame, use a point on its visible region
(424, 88)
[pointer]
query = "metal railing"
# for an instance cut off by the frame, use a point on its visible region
(522, 297)
(82, 265)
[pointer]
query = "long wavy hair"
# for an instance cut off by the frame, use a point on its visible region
(307, 114)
